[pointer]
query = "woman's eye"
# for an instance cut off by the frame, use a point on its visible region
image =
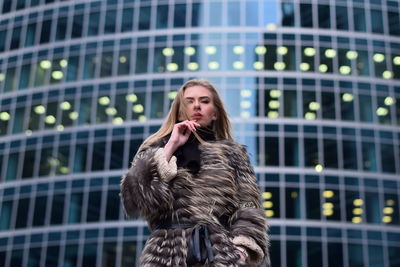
(205, 101)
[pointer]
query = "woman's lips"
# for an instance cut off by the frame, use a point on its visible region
(197, 116)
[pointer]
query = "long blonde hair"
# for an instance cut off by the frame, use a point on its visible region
(222, 126)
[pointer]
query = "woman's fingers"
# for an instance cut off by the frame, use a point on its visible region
(191, 125)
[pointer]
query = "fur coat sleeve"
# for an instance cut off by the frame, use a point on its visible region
(248, 224)
(144, 188)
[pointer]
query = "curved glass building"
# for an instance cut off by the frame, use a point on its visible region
(312, 88)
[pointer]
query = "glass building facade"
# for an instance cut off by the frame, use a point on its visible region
(312, 89)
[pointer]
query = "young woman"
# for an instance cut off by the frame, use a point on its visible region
(196, 188)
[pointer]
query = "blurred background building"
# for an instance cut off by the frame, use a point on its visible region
(312, 88)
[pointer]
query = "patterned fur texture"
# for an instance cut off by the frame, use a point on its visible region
(225, 187)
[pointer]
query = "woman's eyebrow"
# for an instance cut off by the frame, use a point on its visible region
(201, 97)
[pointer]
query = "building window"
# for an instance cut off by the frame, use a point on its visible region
(313, 204)
(324, 18)
(369, 156)
(94, 23)
(292, 200)
(342, 21)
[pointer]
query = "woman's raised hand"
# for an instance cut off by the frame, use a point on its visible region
(179, 136)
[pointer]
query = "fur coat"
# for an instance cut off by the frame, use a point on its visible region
(224, 187)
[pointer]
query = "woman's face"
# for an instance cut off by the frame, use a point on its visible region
(199, 105)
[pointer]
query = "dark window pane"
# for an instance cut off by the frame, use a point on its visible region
(52, 255)
(12, 166)
(196, 18)
(313, 205)
(387, 158)
(355, 255)
(3, 35)
(109, 254)
(349, 155)
(80, 158)
(16, 258)
(330, 153)
(6, 6)
(89, 255)
(34, 257)
(369, 156)
(306, 15)
(39, 213)
(6, 213)
(162, 17)
(128, 254)
(22, 213)
(46, 32)
(180, 15)
(394, 23)
(311, 152)
(359, 20)
(57, 209)
(98, 156)
(335, 254)
(144, 18)
(61, 28)
(372, 206)
(24, 76)
(109, 26)
(117, 154)
(342, 22)
(291, 152)
(272, 151)
(72, 68)
(324, 17)
(292, 198)
(75, 208)
(89, 70)
(141, 60)
(113, 202)
(290, 103)
(275, 252)
(393, 257)
(363, 63)
(377, 21)
(293, 254)
(106, 66)
(15, 39)
(94, 20)
(375, 255)
(94, 206)
(29, 163)
(314, 254)
(127, 20)
(71, 255)
(77, 26)
(30, 35)
(46, 161)
(365, 104)
(10, 81)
